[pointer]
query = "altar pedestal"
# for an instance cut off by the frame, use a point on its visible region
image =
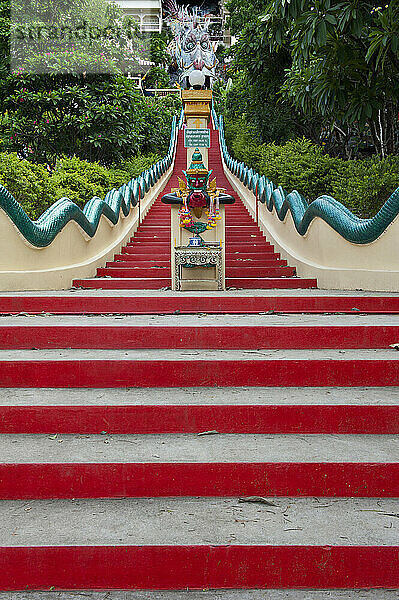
(209, 277)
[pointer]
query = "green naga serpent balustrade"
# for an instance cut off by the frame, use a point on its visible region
(341, 219)
(42, 232)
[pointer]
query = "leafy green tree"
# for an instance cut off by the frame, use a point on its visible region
(258, 72)
(97, 118)
(4, 37)
(345, 60)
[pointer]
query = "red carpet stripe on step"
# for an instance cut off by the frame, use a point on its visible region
(286, 419)
(198, 567)
(192, 304)
(164, 337)
(208, 373)
(134, 480)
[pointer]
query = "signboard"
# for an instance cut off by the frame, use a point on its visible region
(197, 138)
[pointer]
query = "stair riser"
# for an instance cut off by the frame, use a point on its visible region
(266, 252)
(269, 284)
(243, 240)
(158, 419)
(140, 260)
(157, 244)
(192, 304)
(258, 262)
(133, 272)
(250, 247)
(198, 567)
(251, 271)
(222, 337)
(164, 251)
(200, 373)
(142, 237)
(241, 228)
(140, 480)
(128, 284)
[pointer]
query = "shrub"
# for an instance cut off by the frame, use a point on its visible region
(361, 185)
(299, 165)
(136, 165)
(36, 190)
(365, 185)
(27, 182)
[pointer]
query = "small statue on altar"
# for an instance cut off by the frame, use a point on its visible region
(198, 195)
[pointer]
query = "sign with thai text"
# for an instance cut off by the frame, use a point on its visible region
(197, 138)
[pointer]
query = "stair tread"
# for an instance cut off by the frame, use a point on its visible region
(192, 448)
(174, 355)
(253, 594)
(259, 396)
(204, 320)
(178, 521)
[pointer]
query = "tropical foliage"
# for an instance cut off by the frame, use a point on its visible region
(363, 185)
(338, 60)
(35, 188)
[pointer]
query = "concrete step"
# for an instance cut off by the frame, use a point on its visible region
(271, 419)
(249, 272)
(232, 396)
(140, 261)
(269, 283)
(123, 284)
(339, 522)
(205, 594)
(133, 271)
(173, 543)
(190, 448)
(197, 368)
(208, 331)
(147, 251)
(149, 237)
(235, 234)
(149, 244)
(259, 261)
(266, 254)
(130, 270)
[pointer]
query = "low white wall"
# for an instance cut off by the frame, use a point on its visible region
(324, 254)
(72, 254)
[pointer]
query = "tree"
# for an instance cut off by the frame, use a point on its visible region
(100, 118)
(345, 61)
(258, 73)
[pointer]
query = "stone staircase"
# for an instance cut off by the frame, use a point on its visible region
(160, 441)
(230, 446)
(144, 262)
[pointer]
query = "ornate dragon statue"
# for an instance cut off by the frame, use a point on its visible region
(198, 194)
(192, 46)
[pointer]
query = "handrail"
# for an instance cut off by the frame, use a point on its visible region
(339, 217)
(215, 118)
(41, 233)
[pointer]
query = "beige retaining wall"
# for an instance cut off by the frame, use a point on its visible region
(72, 255)
(324, 254)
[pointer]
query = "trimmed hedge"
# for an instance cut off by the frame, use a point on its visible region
(361, 185)
(79, 180)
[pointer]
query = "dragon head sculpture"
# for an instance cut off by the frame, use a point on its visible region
(192, 45)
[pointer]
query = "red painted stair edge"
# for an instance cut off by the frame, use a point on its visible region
(198, 567)
(132, 419)
(205, 337)
(25, 481)
(198, 373)
(89, 304)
